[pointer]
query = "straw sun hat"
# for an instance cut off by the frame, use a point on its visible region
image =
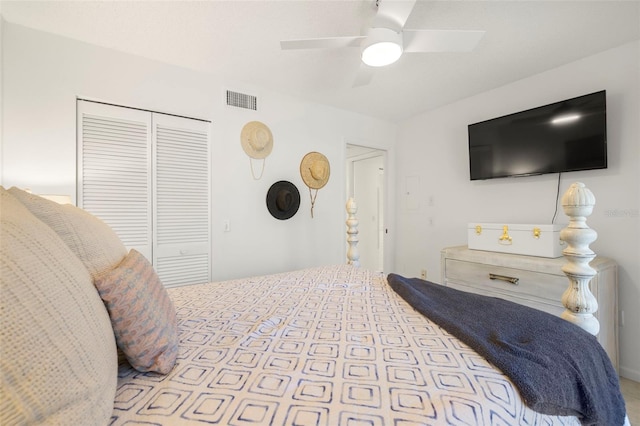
(315, 172)
(256, 139)
(257, 142)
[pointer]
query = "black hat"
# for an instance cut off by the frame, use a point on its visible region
(283, 200)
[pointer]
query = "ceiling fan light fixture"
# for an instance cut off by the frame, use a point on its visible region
(381, 47)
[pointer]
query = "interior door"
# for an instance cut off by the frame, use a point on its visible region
(114, 170)
(181, 200)
(147, 175)
(367, 188)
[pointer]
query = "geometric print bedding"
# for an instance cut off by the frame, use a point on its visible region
(321, 346)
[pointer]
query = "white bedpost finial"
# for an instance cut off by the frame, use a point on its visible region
(353, 257)
(578, 300)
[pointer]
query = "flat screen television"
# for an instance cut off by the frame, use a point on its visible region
(565, 136)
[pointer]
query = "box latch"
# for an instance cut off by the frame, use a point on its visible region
(505, 239)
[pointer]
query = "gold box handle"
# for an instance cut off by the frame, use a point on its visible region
(478, 229)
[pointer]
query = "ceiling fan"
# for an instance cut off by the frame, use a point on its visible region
(387, 39)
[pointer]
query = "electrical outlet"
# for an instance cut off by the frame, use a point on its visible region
(423, 274)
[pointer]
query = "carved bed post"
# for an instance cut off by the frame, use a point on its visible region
(578, 300)
(353, 257)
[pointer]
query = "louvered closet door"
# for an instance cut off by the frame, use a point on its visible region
(114, 170)
(181, 200)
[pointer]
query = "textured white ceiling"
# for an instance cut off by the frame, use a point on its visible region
(239, 41)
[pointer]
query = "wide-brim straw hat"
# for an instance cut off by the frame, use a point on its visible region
(315, 170)
(256, 139)
(283, 200)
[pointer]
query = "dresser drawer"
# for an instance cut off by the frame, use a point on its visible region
(536, 289)
(540, 284)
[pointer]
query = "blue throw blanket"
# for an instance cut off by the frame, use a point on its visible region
(558, 368)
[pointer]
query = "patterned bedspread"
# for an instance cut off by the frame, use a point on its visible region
(321, 346)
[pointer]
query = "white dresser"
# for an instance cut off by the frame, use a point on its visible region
(536, 282)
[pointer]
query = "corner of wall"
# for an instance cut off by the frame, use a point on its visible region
(1, 90)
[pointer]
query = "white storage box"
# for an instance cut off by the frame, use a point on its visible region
(531, 240)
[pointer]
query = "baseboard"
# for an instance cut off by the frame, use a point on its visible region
(630, 374)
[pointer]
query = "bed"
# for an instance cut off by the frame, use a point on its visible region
(331, 345)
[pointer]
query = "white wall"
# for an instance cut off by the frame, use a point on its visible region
(2, 25)
(43, 74)
(432, 164)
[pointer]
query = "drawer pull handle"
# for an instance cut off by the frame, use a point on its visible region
(511, 280)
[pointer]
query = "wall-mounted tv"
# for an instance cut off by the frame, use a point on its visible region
(565, 136)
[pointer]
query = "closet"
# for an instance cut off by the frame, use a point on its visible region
(147, 174)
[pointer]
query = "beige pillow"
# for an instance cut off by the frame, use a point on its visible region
(92, 240)
(57, 349)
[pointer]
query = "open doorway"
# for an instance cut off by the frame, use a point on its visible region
(366, 184)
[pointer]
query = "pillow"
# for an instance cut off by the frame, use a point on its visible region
(92, 240)
(58, 360)
(142, 314)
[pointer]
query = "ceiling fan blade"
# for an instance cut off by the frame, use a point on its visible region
(393, 14)
(322, 43)
(441, 40)
(364, 76)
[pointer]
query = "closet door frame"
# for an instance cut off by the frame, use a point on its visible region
(103, 141)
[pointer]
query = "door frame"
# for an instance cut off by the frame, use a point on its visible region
(371, 150)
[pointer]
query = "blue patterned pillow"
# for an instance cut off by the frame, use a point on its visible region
(142, 314)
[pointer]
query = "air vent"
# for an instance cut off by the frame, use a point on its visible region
(242, 100)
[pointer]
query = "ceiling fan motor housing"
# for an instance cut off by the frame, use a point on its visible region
(382, 46)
